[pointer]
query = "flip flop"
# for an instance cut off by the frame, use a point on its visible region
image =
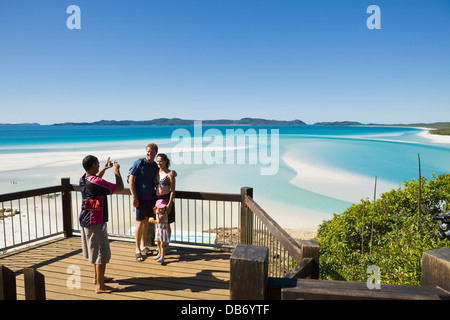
(139, 257)
(147, 251)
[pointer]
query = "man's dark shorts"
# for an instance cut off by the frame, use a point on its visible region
(145, 209)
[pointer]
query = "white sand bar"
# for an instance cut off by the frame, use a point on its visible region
(436, 138)
(332, 182)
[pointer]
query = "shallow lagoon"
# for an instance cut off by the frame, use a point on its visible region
(321, 170)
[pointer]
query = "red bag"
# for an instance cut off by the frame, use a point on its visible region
(92, 205)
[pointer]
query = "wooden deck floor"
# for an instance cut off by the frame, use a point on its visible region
(189, 273)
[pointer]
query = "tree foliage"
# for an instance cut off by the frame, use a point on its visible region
(391, 232)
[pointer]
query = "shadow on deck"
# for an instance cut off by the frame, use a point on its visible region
(187, 274)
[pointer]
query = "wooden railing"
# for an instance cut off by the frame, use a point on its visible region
(34, 215)
(202, 218)
(206, 219)
(287, 258)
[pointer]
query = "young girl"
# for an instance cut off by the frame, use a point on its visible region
(165, 185)
(162, 230)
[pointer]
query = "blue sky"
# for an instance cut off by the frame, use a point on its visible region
(209, 59)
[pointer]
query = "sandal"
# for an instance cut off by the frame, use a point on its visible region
(146, 251)
(139, 257)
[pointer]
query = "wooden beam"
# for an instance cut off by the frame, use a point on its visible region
(34, 284)
(246, 217)
(248, 272)
(67, 207)
(310, 289)
(310, 249)
(302, 269)
(436, 268)
(7, 284)
(275, 285)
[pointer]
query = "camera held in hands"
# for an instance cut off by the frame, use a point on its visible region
(110, 164)
(444, 227)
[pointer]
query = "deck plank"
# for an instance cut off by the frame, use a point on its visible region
(189, 273)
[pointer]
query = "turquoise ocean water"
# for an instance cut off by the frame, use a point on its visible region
(320, 170)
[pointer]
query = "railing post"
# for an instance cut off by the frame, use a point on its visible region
(34, 284)
(246, 217)
(436, 268)
(248, 272)
(310, 249)
(67, 207)
(7, 284)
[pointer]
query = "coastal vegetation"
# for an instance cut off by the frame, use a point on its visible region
(440, 128)
(390, 232)
(443, 132)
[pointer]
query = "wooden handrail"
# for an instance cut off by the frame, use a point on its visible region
(29, 193)
(208, 196)
(194, 195)
(295, 250)
(279, 233)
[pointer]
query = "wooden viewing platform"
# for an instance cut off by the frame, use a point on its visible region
(188, 274)
(41, 256)
(208, 227)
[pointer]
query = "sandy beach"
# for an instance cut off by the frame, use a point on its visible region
(299, 235)
(436, 138)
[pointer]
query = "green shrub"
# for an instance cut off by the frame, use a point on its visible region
(391, 233)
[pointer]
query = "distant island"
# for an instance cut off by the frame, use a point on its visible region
(339, 123)
(184, 122)
(442, 128)
(19, 124)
